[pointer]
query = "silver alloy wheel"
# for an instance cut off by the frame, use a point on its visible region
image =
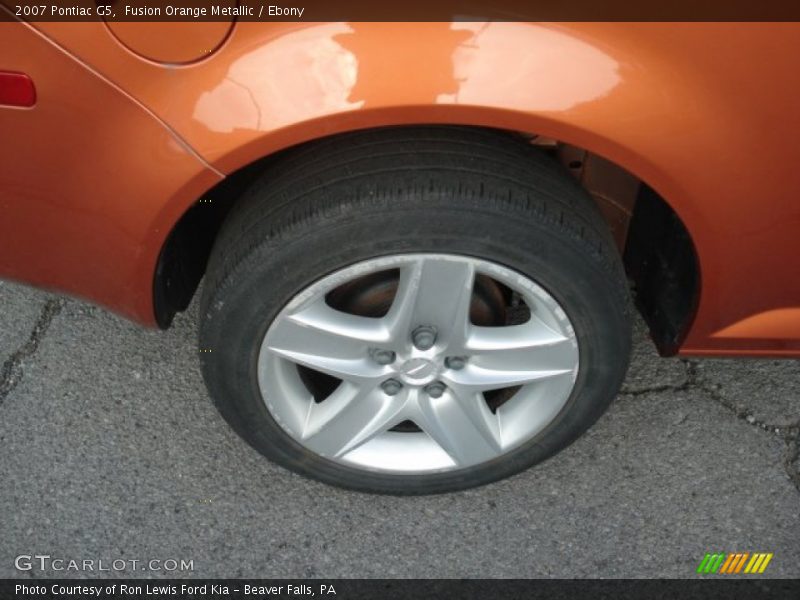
(425, 362)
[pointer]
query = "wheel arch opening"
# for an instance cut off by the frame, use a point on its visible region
(654, 244)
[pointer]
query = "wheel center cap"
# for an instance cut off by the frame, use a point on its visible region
(418, 371)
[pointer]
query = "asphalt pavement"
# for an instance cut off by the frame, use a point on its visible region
(110, 450)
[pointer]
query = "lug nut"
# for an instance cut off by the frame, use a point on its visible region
(391, 387)
(383, 357)
(424, 337)
(455, 362)
(435, 389)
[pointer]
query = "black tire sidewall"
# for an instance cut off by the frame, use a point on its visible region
(239, 311)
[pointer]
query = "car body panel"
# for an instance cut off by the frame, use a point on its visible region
(703, 113)
(89, 178)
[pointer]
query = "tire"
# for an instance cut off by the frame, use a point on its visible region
(358, 223)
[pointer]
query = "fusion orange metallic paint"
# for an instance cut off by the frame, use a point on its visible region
(119, 146)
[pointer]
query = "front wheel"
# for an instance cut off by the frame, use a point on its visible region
(447, 313)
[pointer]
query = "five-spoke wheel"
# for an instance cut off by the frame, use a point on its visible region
(424, 364)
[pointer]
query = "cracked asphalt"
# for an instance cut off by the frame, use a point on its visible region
(111, 449)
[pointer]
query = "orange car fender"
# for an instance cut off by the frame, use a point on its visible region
(701, 112)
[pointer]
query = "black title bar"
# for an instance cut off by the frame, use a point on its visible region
(402, 10)
(390, 589)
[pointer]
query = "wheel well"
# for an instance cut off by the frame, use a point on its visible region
(655, 245)
(184, 255)
(661, 260)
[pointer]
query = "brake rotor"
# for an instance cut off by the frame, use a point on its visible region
(372, 296)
